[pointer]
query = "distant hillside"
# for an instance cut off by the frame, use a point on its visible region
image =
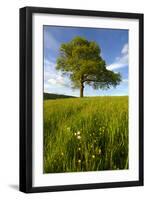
(56, 96)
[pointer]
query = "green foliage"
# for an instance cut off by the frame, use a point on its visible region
(80, 59)
(85, 134)
(55, 96)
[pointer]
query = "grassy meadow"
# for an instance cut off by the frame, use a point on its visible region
(85, 134)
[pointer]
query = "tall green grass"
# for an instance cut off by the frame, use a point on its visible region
(85, 134)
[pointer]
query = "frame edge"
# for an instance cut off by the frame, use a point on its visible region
(25, 101)
(25, 88)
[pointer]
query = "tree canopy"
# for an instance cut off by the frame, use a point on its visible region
(81, 60)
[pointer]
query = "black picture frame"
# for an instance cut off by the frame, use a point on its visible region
(26, 91)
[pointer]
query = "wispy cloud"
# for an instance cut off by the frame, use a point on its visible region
(50, 41)
(49, 65)
(53, 78)
(125, 49)
(125, 80)
(121, 61)
(58, 80)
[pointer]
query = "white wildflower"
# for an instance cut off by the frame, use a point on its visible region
(78, 137)
(78, 133)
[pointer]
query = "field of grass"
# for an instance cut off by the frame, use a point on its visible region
(85, 134)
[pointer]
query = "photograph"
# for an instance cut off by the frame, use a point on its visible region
(81, 99)
(85, 99)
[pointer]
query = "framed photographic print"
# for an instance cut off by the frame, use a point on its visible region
(81, 99)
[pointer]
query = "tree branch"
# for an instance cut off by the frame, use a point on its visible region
(91, 80)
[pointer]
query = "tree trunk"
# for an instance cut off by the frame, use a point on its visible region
(81, 89)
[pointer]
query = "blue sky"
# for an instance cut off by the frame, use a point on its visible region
(114, 50)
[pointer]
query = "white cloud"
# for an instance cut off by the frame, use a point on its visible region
(121, 61)
(55, 82)
(49, 64)
(125, 49)
(52, 81)
(125, 80)
(52, 77)
(58, 80)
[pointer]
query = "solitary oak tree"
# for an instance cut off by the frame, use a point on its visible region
(80, 59)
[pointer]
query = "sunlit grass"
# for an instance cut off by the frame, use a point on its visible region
(85, 134)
